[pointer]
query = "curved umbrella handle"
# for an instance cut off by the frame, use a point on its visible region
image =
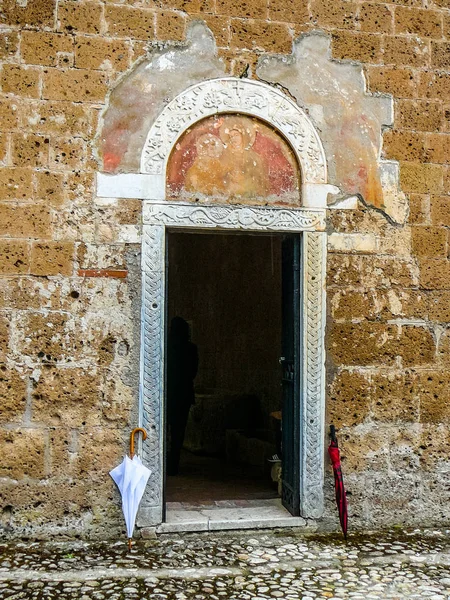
(132, 434)
(332, 434)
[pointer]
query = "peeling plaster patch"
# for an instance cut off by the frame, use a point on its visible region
(350, 120)
(395, 305)
(345, 203)
(141, 96)
(353, 242)
(130, 234)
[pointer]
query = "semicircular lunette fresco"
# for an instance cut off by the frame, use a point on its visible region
(236, 159)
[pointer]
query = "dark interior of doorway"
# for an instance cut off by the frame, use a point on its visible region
(228, 288)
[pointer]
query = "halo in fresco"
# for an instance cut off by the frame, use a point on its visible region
(235, 158)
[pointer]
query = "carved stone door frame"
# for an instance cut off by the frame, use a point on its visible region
(161, 217)
(224, 96)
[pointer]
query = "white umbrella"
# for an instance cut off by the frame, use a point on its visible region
(131, 477)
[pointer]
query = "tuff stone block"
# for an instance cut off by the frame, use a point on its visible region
(21, 81)
(435, 273)
(39, 504)
(432, 389)
(392, 80)
(52, 258)
(9, 43)
(23, 453)
(170, 26)
(348, 403)
(440, 55)
(437, 148)
(15, 183)
(101, 53)
(375, 18)
(190, 7)
(76, 85)
(296, 12)
(128, 21)
(28, 14)
(61, 118)
(429, 241)
(4, 143)
(419, 115)
(393, 398)
(362, 452)
(109, 450)
(369, 272)
(260, 35)
(440, 210)
(340, 14)
(418, 21)
(251, 9)
(13, 388)
(48, 337)
(26, 293)
(49, 187)
(67, 396)
(79, 186)
(4, 336)
(14, 257)
(356, 46)
(25, 221)
(443, 349)
(432, 447)
(407, 52)
(434, 85)
(9, 112)
(75, 16)
(69, 153)
(419, 209)
(347, 304)
(369, 343)
(42, 48)
(404, 145)
(421, 178)
(118, 401)
(29, 150)
(439, 306)
(129, 212)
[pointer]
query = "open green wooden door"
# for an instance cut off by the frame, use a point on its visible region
(290, 361)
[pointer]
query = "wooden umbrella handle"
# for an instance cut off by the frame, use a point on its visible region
(132, 434)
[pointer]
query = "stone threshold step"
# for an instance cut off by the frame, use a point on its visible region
(216, 519)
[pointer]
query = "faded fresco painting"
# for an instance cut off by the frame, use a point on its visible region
(234, 158)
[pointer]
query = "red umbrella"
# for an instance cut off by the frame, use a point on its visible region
(341, 498)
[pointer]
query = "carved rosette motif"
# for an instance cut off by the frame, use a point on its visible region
(313, 397)
(234, 217)
(241, 96)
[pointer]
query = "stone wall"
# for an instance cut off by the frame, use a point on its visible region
(69, 262)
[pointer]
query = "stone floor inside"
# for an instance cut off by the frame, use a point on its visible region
(205, 479)
(238, 565)
(211, 494)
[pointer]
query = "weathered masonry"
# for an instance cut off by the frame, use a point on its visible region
(280, 181)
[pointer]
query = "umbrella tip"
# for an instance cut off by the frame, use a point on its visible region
(129, 544)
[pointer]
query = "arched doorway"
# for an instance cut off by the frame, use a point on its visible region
(230, 98)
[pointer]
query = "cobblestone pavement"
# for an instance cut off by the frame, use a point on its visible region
(233, 566)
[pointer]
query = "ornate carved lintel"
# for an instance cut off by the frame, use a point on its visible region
(179, 214)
